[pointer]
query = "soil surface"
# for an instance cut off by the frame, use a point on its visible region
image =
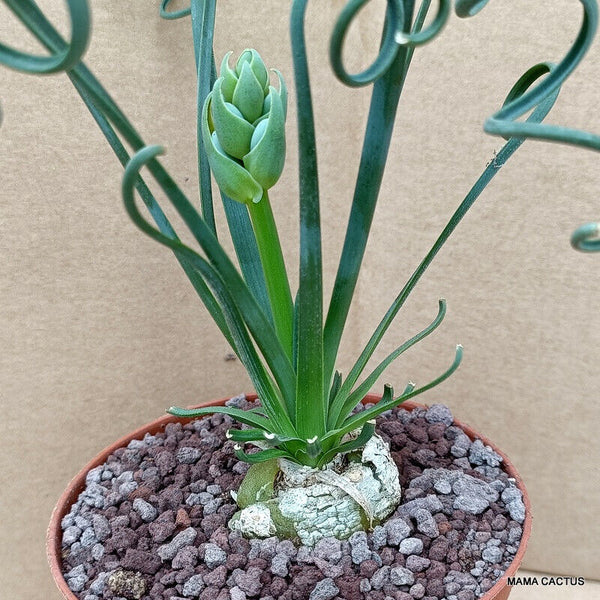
(152, 523)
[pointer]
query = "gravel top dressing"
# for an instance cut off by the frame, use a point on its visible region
(152, 523)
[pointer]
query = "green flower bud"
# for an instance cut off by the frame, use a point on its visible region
(243, 128)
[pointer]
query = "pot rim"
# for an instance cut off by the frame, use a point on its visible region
(77, 485)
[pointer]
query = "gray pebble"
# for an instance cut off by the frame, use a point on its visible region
(88, 537)
(68, 520)
(147, 512)
(483, 455)
(365, 585)
(417, 591)
(76, 584)
(328, 548)
(461, 445)
(429, 503)
(91, 597)
(212, 506)
(426, 524)
(201, 498)
(97, 551)
(401, 576)
(492, 554)
(126, 488)
(397, 530)
(82, 522)
(235, 593)
(411, 545)
(516, 509)
(214, 556)
(438, 413)
(286, 547)
(462, 463)
(324, 590)
(511, 493)
(185, 538)
(417, 563)
(360, 550)
(94, 475)
(152, 440)
(193, 586)
(379, 537)
(187, 455)
(125, 477)
(71, 535)
(443, 486)
(381, 577)
(279, 565)
(214, 489)
(99, 584)
(452, 588)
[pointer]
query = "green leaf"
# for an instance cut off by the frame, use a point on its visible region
(172, 15)
(243, 416)
(259, 457)
(346, 400)
(359, 441)
(203, 26)
(311, 399)
(388, 401)
(378, 133)
(63, 56)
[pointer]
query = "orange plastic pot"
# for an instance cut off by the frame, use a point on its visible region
(499, 591)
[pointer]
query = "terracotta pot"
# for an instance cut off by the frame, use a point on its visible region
(500, 591)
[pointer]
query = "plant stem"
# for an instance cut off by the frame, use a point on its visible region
(271, 256)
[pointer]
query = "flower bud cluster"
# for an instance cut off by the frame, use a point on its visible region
(243, 128)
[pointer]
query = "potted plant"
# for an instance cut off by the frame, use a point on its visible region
(303, 494)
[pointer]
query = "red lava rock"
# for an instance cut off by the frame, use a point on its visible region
(236, 561)
(166, 462)
(417, 433)
(439, 550)
(442, 447)
(182, 519)
(170, 499)
(143, 492)
(186, 558)
(259, 563)
(435, 587)
(305, 581)
(209, 593)
(217, 577)
(163, 527)
(278, 586)
(436, 570)
(144, 562)
(368, 568)
(349, 587)
(121, 540)
(211, 523)
(387, 556)
(444, 527)
(499, 523)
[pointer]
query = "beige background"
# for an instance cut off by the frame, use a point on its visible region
(100, 330)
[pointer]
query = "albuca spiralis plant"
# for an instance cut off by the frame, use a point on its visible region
(289, 343)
